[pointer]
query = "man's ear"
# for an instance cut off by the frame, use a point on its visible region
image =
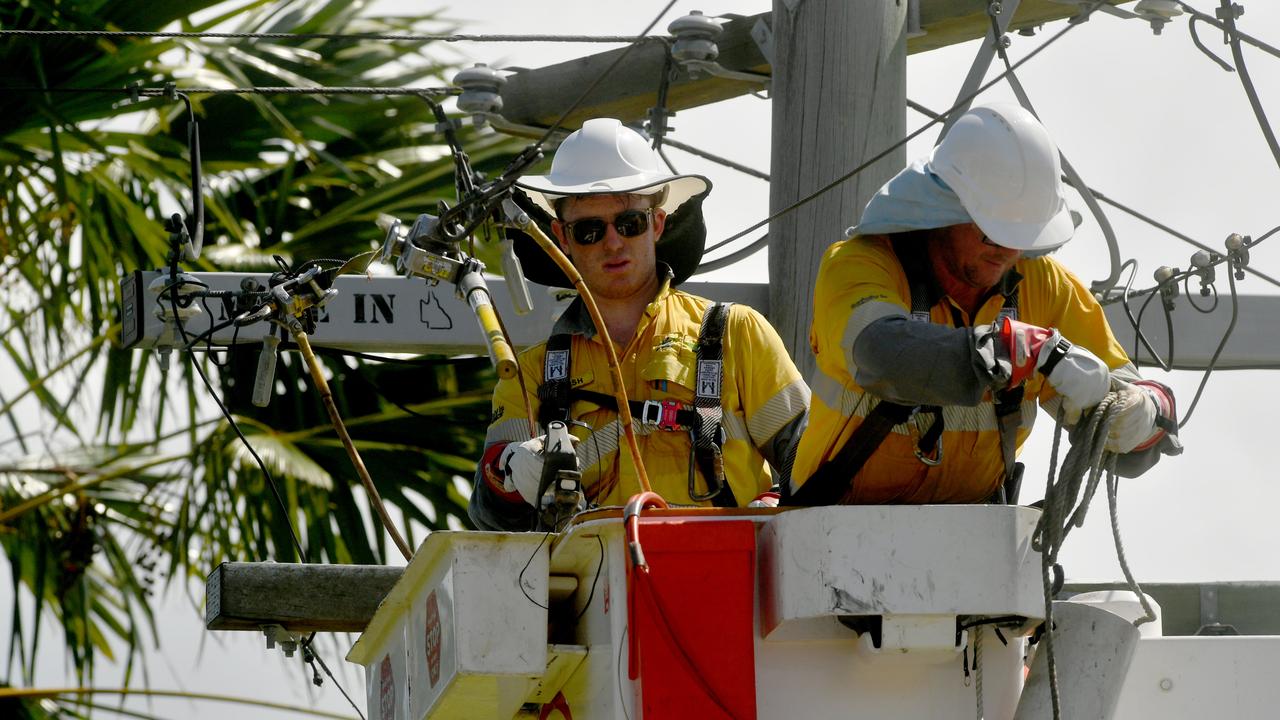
(659, 223)
(557, 229)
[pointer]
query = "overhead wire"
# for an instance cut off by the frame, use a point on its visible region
(153, 92)
(1213, 361)
(1102, 197)
(744, 252)
(1228, 13)
(719, 160)
(178, 237)
(962, 102)
(1073, 177)
(1195, 39)
(1230, 30)
(634, 43)
(389, 37)
(307, 642)
(1139, 336)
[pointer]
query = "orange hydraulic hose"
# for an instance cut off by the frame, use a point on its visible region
(326, 396)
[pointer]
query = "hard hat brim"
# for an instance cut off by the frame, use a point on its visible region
(544, 190)
(681, 245)
(1035, 236)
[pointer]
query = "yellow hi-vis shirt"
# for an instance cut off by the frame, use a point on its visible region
(860, 281)
(761, 393)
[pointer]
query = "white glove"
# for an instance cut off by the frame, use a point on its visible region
(1077, 374)
(521, 465)
(1080, 377)
(1136, 411)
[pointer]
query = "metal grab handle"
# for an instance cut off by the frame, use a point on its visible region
(265, 379)
(514, 274)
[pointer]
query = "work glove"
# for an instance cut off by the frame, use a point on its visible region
(1079, 376)
(1138, 408)
(521, 465)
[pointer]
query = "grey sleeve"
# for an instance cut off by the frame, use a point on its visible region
(919, 363)
(780, 450)
(490, 512)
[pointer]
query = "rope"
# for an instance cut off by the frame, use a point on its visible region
(397, 37)
(977, 670)
(1065, 507)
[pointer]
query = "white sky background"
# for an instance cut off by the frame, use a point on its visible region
(1147, 120)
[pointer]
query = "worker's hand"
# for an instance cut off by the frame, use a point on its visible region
(1079, 376)
(1137, 409)
(521, 465)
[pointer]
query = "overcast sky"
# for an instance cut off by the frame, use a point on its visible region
(1147, 120)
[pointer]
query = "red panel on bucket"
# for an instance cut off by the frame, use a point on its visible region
(703, 576)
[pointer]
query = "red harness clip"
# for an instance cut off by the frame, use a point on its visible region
(661, 413)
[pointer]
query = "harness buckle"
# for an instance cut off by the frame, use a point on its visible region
(661, 413)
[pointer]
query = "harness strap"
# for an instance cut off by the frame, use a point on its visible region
(702, 420)
(667, 415)
(834, 478)
(708, 437)
(553, 393)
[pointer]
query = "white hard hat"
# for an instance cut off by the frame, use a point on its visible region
(1000, 161)
(607, 157)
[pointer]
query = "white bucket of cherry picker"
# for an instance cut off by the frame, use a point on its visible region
(463, 634)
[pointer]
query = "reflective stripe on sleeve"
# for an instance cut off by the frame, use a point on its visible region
(513, 430)
(863, 315)
(778, 411)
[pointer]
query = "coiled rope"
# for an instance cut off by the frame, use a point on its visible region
(1065, 507)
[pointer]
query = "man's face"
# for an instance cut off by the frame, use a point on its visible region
(969, 258)
(614, 267)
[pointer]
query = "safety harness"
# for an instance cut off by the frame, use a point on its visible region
(702, 420)
(833, 479)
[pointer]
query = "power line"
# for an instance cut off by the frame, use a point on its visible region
(735, 256)
(718, 159)
(1161, 226)
(389, 37)
(913, 135)
(164, 92)
(1230, 30)
(635, 42)
(1126, 209)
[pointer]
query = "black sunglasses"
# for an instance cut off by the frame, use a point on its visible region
(589, 231)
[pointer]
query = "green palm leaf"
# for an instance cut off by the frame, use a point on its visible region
(154, 488)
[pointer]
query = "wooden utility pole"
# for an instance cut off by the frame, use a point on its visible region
(839, 97)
